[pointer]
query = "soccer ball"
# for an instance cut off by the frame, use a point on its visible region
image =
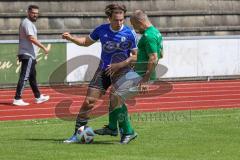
(85, 135)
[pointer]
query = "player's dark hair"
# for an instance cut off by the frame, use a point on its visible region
(109, 10)
(30, 7)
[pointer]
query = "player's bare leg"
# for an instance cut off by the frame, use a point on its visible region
(93, 95)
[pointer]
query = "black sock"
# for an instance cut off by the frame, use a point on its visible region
(79, 123)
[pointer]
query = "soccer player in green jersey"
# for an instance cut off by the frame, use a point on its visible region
(150, 49)
(150, 46)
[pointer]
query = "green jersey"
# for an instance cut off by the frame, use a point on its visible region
(150, 42)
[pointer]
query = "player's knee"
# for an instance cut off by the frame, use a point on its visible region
(115, 100)
(113, 97)
(89, 102)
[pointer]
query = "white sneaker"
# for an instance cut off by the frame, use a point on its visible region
(20, 102)
(72, 139)
(42, 98)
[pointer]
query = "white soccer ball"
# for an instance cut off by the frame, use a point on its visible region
(85, 135)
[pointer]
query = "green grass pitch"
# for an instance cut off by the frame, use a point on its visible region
(180, 135)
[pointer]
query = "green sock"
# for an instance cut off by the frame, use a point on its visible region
(124, 121)
(113, 118)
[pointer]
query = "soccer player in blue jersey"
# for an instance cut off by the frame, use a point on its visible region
(118, 45)
(149, 52)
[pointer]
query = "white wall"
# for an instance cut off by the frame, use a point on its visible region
(201, 57)
(184, 57)
(74, 51)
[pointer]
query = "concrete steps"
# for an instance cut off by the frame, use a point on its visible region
(172, 17)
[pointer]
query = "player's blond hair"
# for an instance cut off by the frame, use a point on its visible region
(139, 15)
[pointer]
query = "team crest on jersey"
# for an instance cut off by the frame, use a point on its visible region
(123, 39)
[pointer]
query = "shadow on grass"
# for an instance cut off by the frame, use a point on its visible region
(46, 139)
(60, 141)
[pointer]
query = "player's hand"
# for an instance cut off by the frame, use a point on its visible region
(67, 36)
(113, 68)
(143, 88)
(47, 49)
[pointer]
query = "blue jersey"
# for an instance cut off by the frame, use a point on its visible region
(116, 45)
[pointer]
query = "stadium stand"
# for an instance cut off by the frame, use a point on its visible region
(172, 17)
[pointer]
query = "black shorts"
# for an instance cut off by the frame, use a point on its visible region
(102, 81)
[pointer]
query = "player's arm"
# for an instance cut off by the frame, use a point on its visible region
(38, 43)
(129, 60)
(81, 41)
(152, 62)
(152, 48)
(132, 58)
(114, 67)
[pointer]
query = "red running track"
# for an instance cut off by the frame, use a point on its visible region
(163, 96)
